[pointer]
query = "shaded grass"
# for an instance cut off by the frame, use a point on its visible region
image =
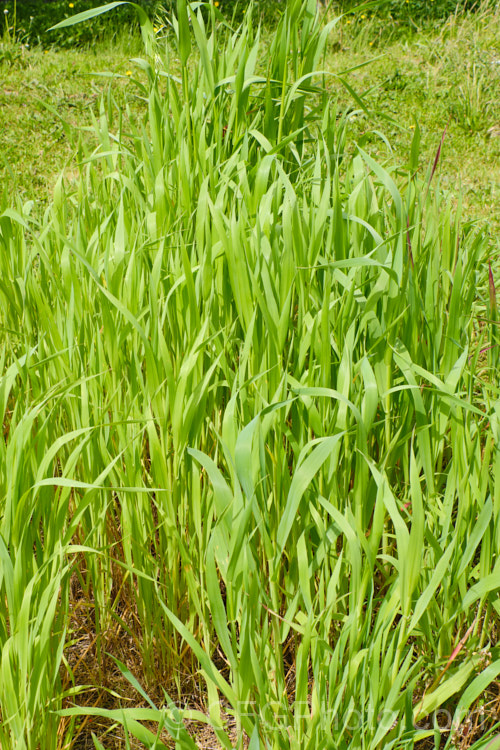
(30, 21)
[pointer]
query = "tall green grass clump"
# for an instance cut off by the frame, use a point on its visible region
(250, 422)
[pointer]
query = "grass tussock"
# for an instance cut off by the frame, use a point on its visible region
(250, 474)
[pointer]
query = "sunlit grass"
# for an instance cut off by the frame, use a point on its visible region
(250, 421)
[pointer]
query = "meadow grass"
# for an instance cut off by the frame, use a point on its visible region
(250, 473)
(436, 75)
